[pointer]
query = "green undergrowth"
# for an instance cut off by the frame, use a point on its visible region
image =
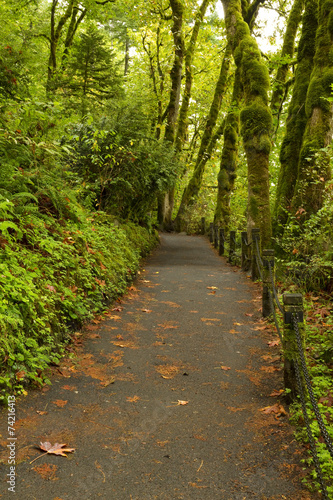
(319, 355)
(56, 273)
(318, 352)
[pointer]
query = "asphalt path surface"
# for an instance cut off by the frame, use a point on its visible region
(169, 397)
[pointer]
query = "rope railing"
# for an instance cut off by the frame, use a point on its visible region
(296, 375)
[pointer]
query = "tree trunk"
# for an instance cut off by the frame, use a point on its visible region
(296, 120)
(166, 207)
(227, 175)
(54, 40)
(176, 71)
(182, 120)
(256, 118)
(314, 163)
(287, 53)
(193, 187)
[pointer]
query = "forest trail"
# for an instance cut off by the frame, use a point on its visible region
(165, 398)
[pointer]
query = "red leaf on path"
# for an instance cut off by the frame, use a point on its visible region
(56, 449)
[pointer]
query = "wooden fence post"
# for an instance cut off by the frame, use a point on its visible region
(216, 236)
(211, 232)
(232, 246)
(293, 303)
(255, 233)
(203, 225)
(221, 241)
(245, 251)
(268, 261)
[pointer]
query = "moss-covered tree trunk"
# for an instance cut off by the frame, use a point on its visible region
(227, 174)
(182, 119)
(193, 187)
(314, 163)
(165, 206)
(256, 117)
(287, 52)
(55, 33)
(296, 119)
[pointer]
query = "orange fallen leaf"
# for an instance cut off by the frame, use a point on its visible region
(276, 393)
(225, 368)
(276, 409)
(249, 314)
(146, 310)
(273, 343)
(60, 402)
(41, 412)
(133, 399)
(56, 449)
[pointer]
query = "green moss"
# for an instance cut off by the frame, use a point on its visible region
(253, 205)
(256, 119)
(319, 88)
(330, 22)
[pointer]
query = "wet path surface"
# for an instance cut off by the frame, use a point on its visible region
(164, 399)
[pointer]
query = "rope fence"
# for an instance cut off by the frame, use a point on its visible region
(297, 379)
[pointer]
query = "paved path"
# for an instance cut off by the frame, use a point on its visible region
(188, 332)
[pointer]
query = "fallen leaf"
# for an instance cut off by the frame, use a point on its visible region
(249, 314)
(212, 287)
(108, 382)
(182, 403)
(41, 412)
(210, 319)
(273, 343)
(269, 369)
(56, 449)
(146, 310)
(276, 393)
(60, 403)
(225, 368)
(133, 399)
(276, 409)
(212, 293)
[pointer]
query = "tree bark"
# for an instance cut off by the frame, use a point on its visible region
(314, 163)
(296, 120)
(256, 117)
(287, 53)
(227, 174)
(182, 119)
(165, 208)
(193, 187)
